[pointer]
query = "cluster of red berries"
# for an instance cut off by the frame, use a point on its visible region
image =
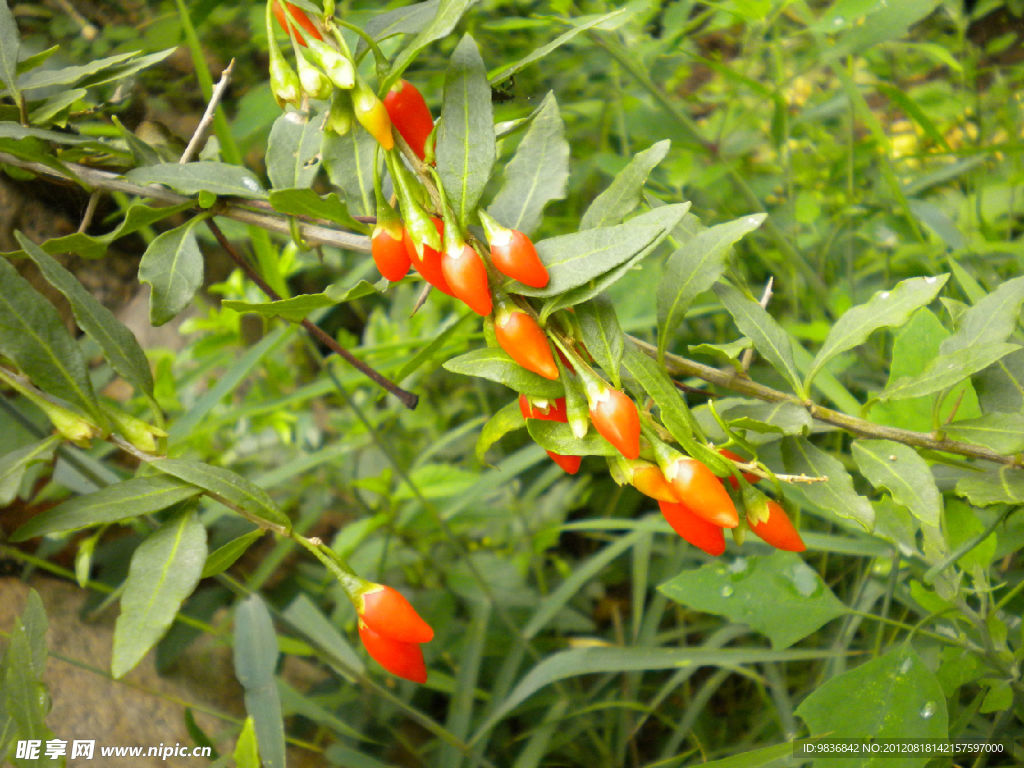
(693, 500)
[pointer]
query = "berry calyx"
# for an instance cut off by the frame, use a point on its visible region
(696, 530)
(388, 613)
(522, 338)
(465, 272)
(646, 478)
(702, 492)
(410, 115)
(285, 19)
(429, 263)
(615, 417)
(399, 658)
(514, 254)
(777, 529)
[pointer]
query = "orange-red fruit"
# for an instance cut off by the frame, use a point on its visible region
(465, 272)
(389, 254)
(702, 492)
(695, 530)
(410, 115)
(300, 18)
(615, 417)
(520, 335)
(389, 614)
(513, 254)
(651, 482)
(401, 659)
(778, 530)
(554, 411)
(746, 475)
(429, 266)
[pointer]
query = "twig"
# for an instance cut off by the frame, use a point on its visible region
(90, 211)
(680, 366)
(748, 354)
(409, 399)
(207, 119)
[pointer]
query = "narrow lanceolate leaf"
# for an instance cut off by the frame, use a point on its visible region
(228, 485)
(659, 387)
(206, 175)
(769, 339)
(165, 568)
(505, 420)
(138, 496)
(886, 309)
(1002, 432)
(538, 172)
(835, 495)
(553, 436)
(14, 464)
(465, 137)
(992, 319)
(173, 268)
(33, 336)
(946, 370)
(443, 22)
(602, 335)
(10, 43)
(623, 195)
(119, 345)
(293, 149)
(900, 470)
(306, 202)
(693, 268)
(348, 160)
(495, 365)
(778, 595)
(407, 20)
(573, 260)
(255, 660)
(227, 555)
(999, 486)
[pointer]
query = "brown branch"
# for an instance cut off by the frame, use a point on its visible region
(409, 399)
(730, 379)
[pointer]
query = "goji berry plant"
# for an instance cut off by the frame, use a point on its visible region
(747, 272)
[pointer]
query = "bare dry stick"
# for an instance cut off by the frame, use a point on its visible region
(207, 119)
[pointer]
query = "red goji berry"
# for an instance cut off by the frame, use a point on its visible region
(520, 335)
(389, 253)
(300, 18)
(615, 417)
(514, 254)
(429, 264)
(696, 530)
(777, 529)
(410, 115)
(386, 611)
(548, 410)
(702, 492)
(465, 272)
(399, 658)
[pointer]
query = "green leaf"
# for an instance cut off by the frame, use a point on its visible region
(1001, 432)
(255, 660)
(406, 20)
(495, 365)
(834, 496)
(164, 570)
(998, 486)
(895, 696)
(538, 172)
(33, 336)
(14, 464)
(900, 470)
(348, 160)
(119, 345)
(508, 419)
(624, 193)
(946, 370)
(778, 595)
(465, 136)
(992, 319)
(10, 43)
(24, 700)
(205, 175)
(47, 78)
(883, 310)
(246, 754)
(293, 149)
(552, 436)
(306, 202)
(769, 339)
(962, 525)
(866, 25)
(304, 615)
(693, 268)
(917, 344)
(173, 268)
(786, 417)
(229, 486)
(227, 554)
(443, 22)
(573, 260)
(138, 496)
(602, 335)
(298, 308)
(777, 756)
(655, 382)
